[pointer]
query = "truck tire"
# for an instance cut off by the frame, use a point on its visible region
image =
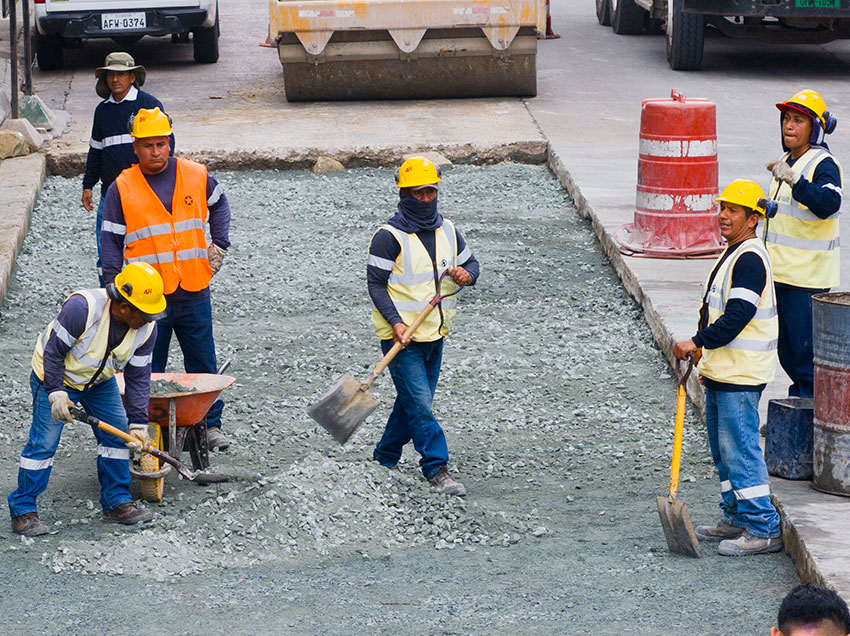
(603, 12)
(48, 51)
(626, 17)
(685, 37)
(205, 43)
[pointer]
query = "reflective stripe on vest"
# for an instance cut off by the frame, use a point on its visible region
(412, 284)
(174, 244)
(803, 248)
(87, 351)
(749, 359)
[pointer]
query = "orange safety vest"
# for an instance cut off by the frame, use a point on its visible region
(174, 244)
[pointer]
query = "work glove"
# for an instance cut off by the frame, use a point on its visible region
(782, 171)
(59, 404)
(140, 432)
(216, 256)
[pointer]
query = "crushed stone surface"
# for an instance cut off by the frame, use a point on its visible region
(166, 387)
(557, 406)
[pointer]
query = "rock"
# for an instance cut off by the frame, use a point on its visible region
(31, 108)
(434, 157)
(13, 144)
(33, 137)
(325, 165)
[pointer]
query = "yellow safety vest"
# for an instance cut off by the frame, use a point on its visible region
(750, 359)
(87, 351)
(803, 248)
(412, 284)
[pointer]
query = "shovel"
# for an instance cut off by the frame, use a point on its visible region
(344, 407)
(675, 520)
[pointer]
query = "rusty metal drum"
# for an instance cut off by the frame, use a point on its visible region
(675, 212)
(831, 460)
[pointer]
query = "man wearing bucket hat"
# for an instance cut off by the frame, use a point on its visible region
(406, 258)
(737, 334)
(110, 147)
(803, 240)
(98, 332)
(155, 212)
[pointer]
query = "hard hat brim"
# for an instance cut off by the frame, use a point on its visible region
(427, 185)
(782, 106)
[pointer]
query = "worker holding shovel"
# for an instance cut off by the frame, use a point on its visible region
(97, 333)
(737, 333)
(407, 259)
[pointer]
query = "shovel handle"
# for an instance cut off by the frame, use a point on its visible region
(379, 368)
(678, 433)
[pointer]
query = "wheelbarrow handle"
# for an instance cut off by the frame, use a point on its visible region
(81, 416)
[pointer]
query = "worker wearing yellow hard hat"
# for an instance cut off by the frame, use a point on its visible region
(737, 335)
(162, 191)
(97, 333)
(407, 259)
(803, 239)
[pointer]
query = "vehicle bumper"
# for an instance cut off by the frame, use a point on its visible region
(88, 24)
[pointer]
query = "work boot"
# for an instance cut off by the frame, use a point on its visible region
(718, 532)
(29, 525)
(128, 513)
(443, 482)
(748, 545)
(216, 439)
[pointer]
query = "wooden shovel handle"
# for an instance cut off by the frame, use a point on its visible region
(379, 368)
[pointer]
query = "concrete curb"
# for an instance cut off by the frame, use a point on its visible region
(809, 521)
(20, 182)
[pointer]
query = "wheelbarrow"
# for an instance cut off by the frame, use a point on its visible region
(178, 416)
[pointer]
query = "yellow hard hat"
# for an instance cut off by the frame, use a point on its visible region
(141, 285)
(416, 172)
(810, 103)
(150, 122)
(746, 193)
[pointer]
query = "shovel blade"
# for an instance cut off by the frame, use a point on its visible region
(343, 408)
(677, 526)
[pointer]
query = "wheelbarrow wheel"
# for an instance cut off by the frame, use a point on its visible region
(152, 489)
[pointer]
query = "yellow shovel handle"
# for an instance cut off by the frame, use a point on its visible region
(681, 397)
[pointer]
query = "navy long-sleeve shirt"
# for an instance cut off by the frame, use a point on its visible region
(111, 146)
(822, 195)
(386, 248)
(114, 226)
(748, 273)
(137, 379)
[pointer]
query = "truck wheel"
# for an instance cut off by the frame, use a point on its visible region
(603, 13)
(685, 37)
(48, 51)
(205, 43)
(626, 17)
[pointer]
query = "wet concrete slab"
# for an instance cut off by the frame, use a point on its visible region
(600, 94)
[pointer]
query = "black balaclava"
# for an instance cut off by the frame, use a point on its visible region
(413, 215)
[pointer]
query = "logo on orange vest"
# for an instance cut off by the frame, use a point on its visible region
(149, 290)
(187, 200)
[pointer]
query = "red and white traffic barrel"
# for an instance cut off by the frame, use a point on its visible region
(675, 212)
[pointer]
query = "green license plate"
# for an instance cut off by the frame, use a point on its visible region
(818, 4)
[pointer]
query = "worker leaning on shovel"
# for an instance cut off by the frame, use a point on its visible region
(737, 333)
(406, 259)
(803, 239)
(97, 333)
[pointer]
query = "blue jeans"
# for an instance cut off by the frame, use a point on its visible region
(732, 419)
(795, 347)
(415, 371)
(191, 322)
(98, 225)
(103, 401)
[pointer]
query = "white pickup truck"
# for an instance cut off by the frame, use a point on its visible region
(125, 21)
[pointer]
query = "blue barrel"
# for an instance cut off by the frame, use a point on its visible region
(831, 440)
(788, 438)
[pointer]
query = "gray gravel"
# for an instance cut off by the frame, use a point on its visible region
(556, 404)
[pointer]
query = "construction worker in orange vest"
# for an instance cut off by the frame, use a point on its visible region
(155, 212)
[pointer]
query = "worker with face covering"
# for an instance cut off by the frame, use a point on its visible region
(407, 258)
(802, 240)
